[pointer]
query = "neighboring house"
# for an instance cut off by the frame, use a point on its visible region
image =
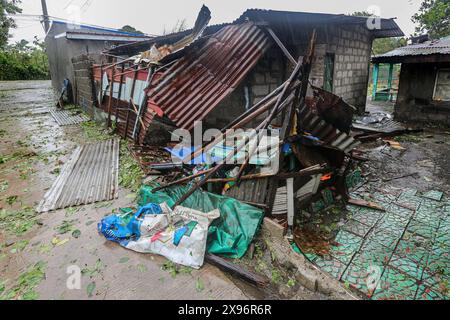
(65, 41)
(424, 89)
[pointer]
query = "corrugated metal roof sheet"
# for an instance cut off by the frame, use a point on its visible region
(440, 47)
(198, 82)
(389, 27)
(388, 126)
(91, 175)
(67, 118)
(328, 134)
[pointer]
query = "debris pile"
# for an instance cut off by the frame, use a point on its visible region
(285, 153)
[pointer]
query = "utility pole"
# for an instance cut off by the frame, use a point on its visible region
(45, 14)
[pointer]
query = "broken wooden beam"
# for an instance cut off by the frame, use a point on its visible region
(367, 204)
(236, 270)
(181, 181)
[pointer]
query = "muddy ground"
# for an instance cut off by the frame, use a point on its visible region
(37, 250)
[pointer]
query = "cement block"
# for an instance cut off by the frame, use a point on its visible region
(277, 231)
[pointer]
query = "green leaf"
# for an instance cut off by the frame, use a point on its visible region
(76, 234)
(124, 260)
(199, 286)
(142, 268)
(90, 289)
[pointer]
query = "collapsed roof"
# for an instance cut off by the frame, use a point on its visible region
(284, 20)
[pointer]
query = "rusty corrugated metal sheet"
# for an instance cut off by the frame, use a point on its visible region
(91, 175)
(196, 84)
(328, 134)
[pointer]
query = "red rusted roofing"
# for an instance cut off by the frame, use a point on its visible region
(196, 84)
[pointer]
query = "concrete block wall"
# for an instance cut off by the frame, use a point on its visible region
(351, 45)
(83, 85)
(353, 48)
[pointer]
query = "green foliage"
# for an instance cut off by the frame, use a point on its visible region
(22, 61)
(130, 29)
(384, 45)
(433, 17)
(6, 23)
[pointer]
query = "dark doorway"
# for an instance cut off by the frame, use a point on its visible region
(328, 77)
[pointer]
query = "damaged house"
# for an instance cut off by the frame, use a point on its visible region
(424, 89)
(264, 45)
(230, 76)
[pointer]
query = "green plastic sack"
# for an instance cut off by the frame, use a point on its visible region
(231, 234)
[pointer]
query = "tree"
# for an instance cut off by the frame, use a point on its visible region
(384, 45)
(433, 18)
(130, 29)
(7, 7)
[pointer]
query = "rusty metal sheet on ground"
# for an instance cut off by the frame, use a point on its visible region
(91, 175)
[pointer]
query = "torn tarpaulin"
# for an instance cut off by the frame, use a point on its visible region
(179, 235)
(231, 234)
(182, 235)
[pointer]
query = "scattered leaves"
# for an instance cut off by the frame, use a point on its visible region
(26, 283)
(91, 272)
(18, 222)
(65, 227)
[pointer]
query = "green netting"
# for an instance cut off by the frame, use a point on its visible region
(231, 234)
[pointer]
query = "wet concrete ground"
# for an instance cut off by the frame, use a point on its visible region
(35, 256)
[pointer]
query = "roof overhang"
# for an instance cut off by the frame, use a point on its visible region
(99, 37)
(432, 58)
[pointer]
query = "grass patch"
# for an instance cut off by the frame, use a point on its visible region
(26, 284)
(130, 173)
(17, 222)
(94, 132)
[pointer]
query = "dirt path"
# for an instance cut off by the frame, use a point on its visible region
(36, 252)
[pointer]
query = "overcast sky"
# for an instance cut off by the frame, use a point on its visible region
(153, 17)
